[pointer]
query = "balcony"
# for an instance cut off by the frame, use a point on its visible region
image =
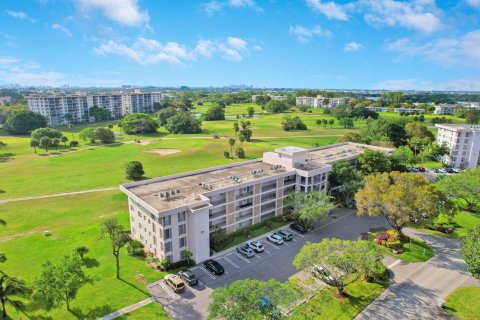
(243, 215)
(268, 207)
(218, 214)
(244, 205)
(244, 194)
(269, 197)
(218, 202)
(269, 187)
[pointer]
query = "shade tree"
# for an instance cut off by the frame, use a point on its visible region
(309, 207)
(118, 236)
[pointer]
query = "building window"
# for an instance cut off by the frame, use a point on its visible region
(169, 258)
(139, 225)
(182, 229)
(167, 221)
(168, 246)
(181, 216)
(167, 234)
(182, 242)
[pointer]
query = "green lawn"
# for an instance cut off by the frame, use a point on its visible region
(326, 306)
(73, 221)
(464, 220)
(417, 251)
(464, 303)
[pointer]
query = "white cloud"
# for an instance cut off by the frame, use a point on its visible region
(447, 52)
(19, 15)
(352, 46)
(421, 84)
(330, 9)
(474, 3)
(305, 34)
(257, 47)
(420, 15)
(212, 7)
(125, 12)
(149, 51)
(61, 28)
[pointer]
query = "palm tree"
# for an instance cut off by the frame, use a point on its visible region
(64, 139)
(231, 142)
(9, 288)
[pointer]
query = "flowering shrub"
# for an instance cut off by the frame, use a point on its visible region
(382, 236)
(390, 238)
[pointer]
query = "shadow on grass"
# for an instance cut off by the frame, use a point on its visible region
(5, 156)
(90, 263)
(94, 313)
(2, 191)
(135, 287)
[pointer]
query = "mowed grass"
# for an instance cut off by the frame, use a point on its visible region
(98, 167)
(326, 306)
(464, 303)
(152, 311)
(73, 221)
(414, 251)
(463, 219)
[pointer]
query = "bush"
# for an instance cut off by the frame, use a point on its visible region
(240, 153)
(183, 122)
(180, 264)
(24, 121)
(276, 106)
(226, 154)
(215, 112)
(110, 126)
(74, 143)
(139, 123)
(135, 248)
(393, 244)
(382, 236)
(46, 132)
(293, 123)
(134, 170)
(104, 135)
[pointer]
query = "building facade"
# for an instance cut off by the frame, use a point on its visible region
(320, 101)
(444, 109)
(409, 110)
(65, 109)
(176, 213)
(272, 96)
(5, 100)
(378, 109)
(463, 142)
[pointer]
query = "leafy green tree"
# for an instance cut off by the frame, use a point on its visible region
(215, 112)
(418, 144)
(241, 138)
(164, 114)
(231, 142)
(404, 155)
(290, 123)
(373, 161)
(187, 254)
(400, 197)
(351, 137)
(240, 153)
(139, 123)
(472, 116)
(34, 144)
(311, 206)
(87, 134)
(346, 122)
(64, 140)
(236, 128)
(45, 142)
(118, 237)
(81, 251)
(417, 130)
(55, 143)
(276, 106)
(250, 111)
(226, 154)
(46, 132)
(331, 122)
(10, 289)
(465, 186)
(324, 123)
(24, 121)
(183, 122)
(318, 122)
(60, 282)
(134, 170)
(346, 179)
(2, 144)
(100, 114)
(471, 251)
(105, 135)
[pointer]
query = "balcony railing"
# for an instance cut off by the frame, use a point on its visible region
(218, 202)
(269, 187)
(218, 214)
(244, 205)
(244, 195)
(268, 208)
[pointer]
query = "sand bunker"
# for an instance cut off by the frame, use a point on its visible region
(145, 142)
(163, 152)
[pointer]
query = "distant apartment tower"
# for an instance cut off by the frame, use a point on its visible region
(463, 142)
(320, 101)
(5, 100)
(444, 109)
(272, 96)
(409, 110)
(56, 107)
(172, 214)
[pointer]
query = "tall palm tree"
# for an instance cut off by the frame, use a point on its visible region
(9, 288)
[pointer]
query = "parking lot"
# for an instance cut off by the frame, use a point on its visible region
(275, 262)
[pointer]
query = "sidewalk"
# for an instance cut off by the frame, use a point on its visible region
(128, 309)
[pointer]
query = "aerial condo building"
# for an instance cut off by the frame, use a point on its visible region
(176, 213)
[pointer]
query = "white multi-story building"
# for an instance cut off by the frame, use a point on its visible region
(176, 213)
(313, 102)
(463, 142)
(272, 96)
(335, 102)
(408, 110)
(444, 109)
(378, 109)
(5, 100)
(56, 107)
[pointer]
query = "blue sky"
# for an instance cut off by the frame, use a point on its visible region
(371, 44)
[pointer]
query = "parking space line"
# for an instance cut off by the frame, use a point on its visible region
(231, 262)
(207, 273)
(272, 245)
(241, 257)
(268, 252)
(200, 282)
(298, 234)
(256, 255)
(164, 286)
(285, 243)
(194, 268)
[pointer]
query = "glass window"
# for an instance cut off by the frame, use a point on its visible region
(167, 234)
(167, 221)
(168, 246)
(182, 242)
(181, 216)
(182, 229)
(169, 258)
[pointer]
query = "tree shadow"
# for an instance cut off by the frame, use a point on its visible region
(90, 263)
(5, 156)
(3, 191)
(94, 313)
(56, 153)
(43, 154)
(134, 286)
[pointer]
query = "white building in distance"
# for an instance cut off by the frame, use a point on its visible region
(56, 107)
(5, 100)
(272, 96)
(444, 109)
(409, 110)
(378, 109)
(463, 142)
(320, 102)
(176, 213)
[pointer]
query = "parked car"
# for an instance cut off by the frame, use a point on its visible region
(456, 170)
(298, 227)
(189, 277)
(421, 169)
(275, 239)
(257, 246)
(450, 170)
(175, 282)
(214, 267)
(436, 170)
(245, 250)
(286, 235)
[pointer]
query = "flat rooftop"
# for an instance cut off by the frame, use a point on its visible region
(190, 184)
(469, 127)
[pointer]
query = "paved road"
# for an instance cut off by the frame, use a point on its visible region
(275, 262)
(417, 288)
